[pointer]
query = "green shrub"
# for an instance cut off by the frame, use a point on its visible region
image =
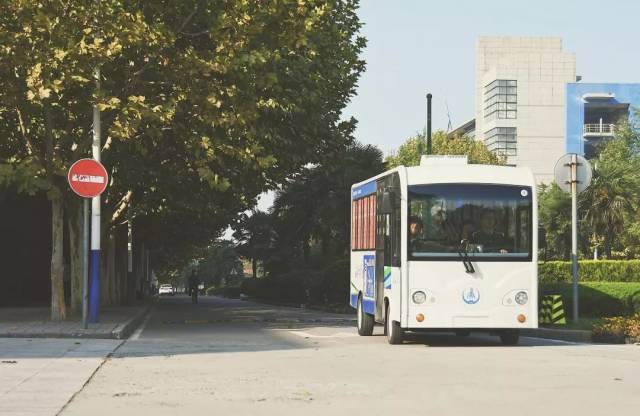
(590, 271)
(598, 299)
(330, 285)
(232, 292)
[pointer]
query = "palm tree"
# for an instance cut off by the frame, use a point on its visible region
(609, 199)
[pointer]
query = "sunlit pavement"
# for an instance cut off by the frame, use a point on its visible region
(233, 357)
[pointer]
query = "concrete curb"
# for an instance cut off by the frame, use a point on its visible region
(124, 330)
(121, 331)
(570, 335)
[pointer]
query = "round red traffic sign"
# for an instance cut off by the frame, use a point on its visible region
(87, 178)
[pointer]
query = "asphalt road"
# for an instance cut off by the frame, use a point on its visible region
(233, 357)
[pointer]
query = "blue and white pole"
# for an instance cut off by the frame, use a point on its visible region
(94, 287)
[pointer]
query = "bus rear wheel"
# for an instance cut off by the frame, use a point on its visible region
(365, 321)
(392, 328)
(510, 336)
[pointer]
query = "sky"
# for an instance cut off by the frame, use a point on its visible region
(420, 46)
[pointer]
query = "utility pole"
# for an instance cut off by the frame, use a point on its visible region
(429, 123)
(574, 232)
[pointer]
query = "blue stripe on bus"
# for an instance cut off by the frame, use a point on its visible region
(354, 300)
(363, 190)
(369, 306)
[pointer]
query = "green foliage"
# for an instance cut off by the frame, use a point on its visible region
(555, 216)
(231, 292)
(221, 263)
(409, 153)
(607, 208)
(590, 271)
(302, 286)
(205, 104)
(599, 299)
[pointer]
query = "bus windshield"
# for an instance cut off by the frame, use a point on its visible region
(478, 221)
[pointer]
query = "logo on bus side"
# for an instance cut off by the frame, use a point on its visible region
(470, 296)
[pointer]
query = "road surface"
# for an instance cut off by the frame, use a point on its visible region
(233, 357)
(241, 358)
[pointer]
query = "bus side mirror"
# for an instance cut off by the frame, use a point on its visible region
(386, 203)
(542, 237)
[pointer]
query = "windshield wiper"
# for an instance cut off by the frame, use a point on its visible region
(464, 256)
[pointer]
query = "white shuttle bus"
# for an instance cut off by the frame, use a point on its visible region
(446, 245)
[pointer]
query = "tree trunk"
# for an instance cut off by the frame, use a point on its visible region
(254, 267)
(58, 308)
(74, 224)
(607, 246)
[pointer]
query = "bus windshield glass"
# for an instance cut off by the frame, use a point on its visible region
(479, 222)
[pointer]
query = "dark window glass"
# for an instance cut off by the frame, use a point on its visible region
(491, 222)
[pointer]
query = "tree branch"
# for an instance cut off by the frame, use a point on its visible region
(122, 206)
(23, 130)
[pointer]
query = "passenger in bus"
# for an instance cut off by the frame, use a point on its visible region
(488, 238)
(434, 239)
(415, 230)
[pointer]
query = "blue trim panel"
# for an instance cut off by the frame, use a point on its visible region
(369, 306)
(94, 286)
(354, 300)
(364, 190)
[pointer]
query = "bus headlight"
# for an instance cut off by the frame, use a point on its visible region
(419, 297)
(522, 298)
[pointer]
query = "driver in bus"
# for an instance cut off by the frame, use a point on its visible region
(491, 240)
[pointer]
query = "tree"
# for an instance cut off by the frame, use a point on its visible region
(611, 198)
(254, 234)
(314, 207)
(555, 217)
(409, 153)
(205, 104)
(221, 262)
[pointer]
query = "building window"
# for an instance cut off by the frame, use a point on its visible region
(501, 140)
(501, 99)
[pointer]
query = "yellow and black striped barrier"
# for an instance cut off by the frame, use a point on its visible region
(552, 310)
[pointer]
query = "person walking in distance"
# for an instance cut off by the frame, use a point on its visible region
(194, 282)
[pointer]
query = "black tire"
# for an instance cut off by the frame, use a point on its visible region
(392, 329)
(510, 336)
(462, 332)
(364, 321)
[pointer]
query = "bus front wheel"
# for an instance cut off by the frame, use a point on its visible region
(365, 321)
(392, 328)
(510, 336)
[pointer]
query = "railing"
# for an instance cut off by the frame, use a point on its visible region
(597, 128)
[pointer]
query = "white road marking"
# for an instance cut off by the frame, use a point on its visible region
(303, 334)
(141, 328)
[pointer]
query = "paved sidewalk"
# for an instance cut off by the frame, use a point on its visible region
(39, 376)
(115, 323)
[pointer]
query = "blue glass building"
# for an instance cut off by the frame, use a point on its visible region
(592, 111)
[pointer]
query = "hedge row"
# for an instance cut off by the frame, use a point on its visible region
(330, 285)
(590, 271)
(598, 299)
(225, 291)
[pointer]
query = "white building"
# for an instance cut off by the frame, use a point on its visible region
(520, 99)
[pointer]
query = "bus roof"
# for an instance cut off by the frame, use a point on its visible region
(456, 170)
